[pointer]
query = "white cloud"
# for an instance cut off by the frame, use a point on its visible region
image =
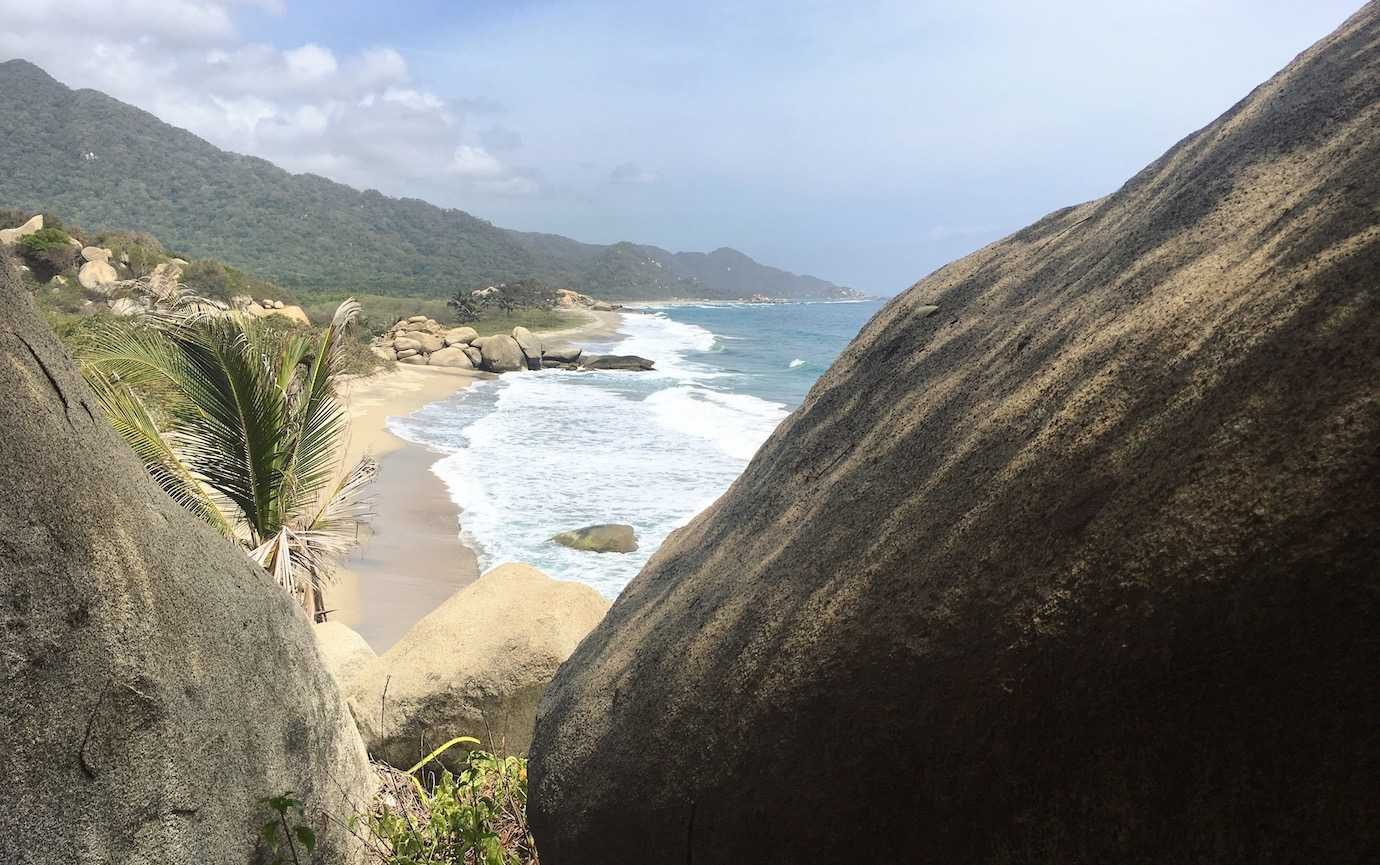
(354, 117)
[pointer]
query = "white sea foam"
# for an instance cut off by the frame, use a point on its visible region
(536, 453)
(798, 362)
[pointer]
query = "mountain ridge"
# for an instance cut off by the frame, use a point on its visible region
(107, 164)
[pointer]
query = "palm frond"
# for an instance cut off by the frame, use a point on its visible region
(133, 422)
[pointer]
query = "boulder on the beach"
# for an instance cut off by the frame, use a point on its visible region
(12, 235)
(156, 683)
(95, 275)
(406, 343)
(603, 538)
(618, 361)
(563, 354)
(346, 654)
(1084, 568)
(429, 342)
(475, 355)
(502, 354)
(530, 344)
(415, 358)
(475, 666)
(460, 336)
(451, 357)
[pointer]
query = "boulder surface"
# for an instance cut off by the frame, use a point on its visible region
(96, 274)
(453, 356)
(12, 235)
(1082, 566)
(345, 653)
(501, 353)
(530, 344)
(475, 666)
(605, 538)
(156, 683)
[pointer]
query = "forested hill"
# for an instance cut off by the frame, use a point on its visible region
(103, 163)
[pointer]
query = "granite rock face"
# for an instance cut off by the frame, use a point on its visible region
(156, 684)
(1072, 556)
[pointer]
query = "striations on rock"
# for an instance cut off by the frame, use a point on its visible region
(1081, 567)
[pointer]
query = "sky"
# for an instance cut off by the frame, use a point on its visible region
(866, 142)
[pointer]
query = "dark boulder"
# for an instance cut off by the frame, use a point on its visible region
(617, 361)
(1083, 567)
(605, 538)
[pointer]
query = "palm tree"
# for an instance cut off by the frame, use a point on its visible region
(239, 422)
(467, 307)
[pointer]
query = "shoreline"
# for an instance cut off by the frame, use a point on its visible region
(410, 558)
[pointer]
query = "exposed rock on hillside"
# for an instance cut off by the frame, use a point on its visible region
(12, 235)
(1083, 566)
(475, 666)
(156, 684)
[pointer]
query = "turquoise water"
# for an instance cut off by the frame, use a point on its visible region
(531, 454)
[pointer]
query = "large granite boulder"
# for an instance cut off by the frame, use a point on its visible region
(1082, 567)
(344, 652)
(95, 275)
(453, 356)
(530, 344)
(429, 342)
(96, 253)
(604, 538)
(502, 354)
(475, 666)
(562, 354)
(461, 336)
(12, 235)
(156, 684)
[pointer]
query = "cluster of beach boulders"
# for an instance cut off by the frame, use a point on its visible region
(475, 666)
(424, 341)
(267, 306)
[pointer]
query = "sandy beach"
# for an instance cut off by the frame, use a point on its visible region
(410, 559)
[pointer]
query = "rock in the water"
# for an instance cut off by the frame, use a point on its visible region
(12, 235)
(451, 357)
(460, 336)
(605, 538)
(96, 274)
(530, 345)
(96, 253)
(502, 354)
(475, 666)
(156, 684)
(1084, 567)
(618, 361)
(346, 654)
(564, 354)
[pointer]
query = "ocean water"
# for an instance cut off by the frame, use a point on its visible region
(531, 454)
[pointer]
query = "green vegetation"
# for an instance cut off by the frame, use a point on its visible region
(237, 419)
(478, 816)
(283, 837)
(109, 164)
(381, 312)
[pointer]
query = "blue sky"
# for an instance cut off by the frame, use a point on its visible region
(867, 142)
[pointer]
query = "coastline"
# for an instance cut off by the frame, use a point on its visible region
(411, 559)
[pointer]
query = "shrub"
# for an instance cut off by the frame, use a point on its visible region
(49, 251)
(477, 816)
